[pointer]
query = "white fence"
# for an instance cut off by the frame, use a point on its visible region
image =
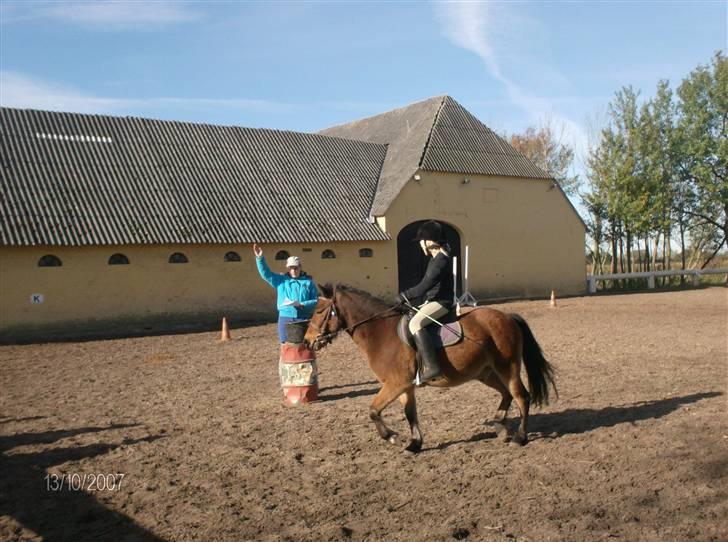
(650, 276)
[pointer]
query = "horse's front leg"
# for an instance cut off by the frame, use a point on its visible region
(386, 395)
(410, 411)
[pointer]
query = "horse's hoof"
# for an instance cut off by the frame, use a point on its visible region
(413, 448)
(392, 439)
(520, 440)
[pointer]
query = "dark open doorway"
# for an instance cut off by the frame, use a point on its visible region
(411, 262)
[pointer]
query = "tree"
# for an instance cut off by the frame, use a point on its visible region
(547, 150)
(658, 171)
(703, 127)
(596, 208)
(662, 166)
(613, 172)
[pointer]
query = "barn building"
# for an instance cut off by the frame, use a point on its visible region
(113, 226)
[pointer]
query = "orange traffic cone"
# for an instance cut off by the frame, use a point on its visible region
(225, 336)
(553, 298)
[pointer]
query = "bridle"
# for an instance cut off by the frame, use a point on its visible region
(323, 338)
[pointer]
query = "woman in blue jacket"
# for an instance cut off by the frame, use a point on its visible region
(297, 293)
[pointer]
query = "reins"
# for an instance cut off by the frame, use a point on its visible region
(350, 329)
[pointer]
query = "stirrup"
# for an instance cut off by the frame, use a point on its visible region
(419, 382)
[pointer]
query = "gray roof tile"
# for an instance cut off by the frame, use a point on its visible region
(437, 134)
(74, 179)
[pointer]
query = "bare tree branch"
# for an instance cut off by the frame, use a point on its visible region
(713, 254)
(707, 219)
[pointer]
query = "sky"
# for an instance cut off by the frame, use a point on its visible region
(305, 66)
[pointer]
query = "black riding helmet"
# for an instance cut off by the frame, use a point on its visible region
(430, 231)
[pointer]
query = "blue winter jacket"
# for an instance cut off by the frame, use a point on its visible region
(302, 289)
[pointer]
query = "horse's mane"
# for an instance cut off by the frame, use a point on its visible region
(369, 300)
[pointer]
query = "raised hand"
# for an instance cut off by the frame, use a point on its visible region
(257, 250)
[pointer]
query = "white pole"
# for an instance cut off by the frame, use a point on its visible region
(455, 279)
(465, 283)
(467, 298)
(455, 299)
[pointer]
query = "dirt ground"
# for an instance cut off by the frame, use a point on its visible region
(636, 448)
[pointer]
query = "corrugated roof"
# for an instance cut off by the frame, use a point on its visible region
(437, 134)
(460, 143)
(406, 130)
(75, 179)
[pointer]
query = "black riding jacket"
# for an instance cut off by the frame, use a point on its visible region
(436, 285)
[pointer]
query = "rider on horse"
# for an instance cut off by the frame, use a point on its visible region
(433, 295)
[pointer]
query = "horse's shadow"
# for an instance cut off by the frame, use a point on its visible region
(554, 425)
(348, 394)
(339, 386)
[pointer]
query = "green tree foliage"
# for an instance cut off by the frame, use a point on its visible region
(702, 125)
(657, 172)
(660, 167)
(612, 169)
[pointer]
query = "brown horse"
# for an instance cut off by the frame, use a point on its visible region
(491, 352)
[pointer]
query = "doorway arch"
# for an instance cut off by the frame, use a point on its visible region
(412, 263)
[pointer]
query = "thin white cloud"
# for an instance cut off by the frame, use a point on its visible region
(493, 31)
(20, 91)
(17, 90)
(467, 25)
(106, 15)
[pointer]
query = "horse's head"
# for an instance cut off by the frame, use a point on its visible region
(325, 322)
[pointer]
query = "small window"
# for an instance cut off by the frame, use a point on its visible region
(178, 257)
(366, 253)
(282, 255)
(232, 256)
(49, 260)
(118, 259)
(328, 254)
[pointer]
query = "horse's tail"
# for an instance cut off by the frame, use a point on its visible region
(540, 371)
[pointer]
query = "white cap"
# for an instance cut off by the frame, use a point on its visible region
(293, 261)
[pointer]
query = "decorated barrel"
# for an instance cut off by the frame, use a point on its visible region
(297, 368)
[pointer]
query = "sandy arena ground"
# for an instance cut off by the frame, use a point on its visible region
(636, 448)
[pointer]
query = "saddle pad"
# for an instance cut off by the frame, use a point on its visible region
(447, 335)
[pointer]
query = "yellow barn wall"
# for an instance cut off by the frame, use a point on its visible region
(525, 238)
(88, 295)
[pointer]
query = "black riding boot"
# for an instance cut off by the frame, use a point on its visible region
(429, 367)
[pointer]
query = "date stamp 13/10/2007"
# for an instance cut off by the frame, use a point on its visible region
(76, 481)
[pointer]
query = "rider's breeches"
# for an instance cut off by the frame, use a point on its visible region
(433, 309)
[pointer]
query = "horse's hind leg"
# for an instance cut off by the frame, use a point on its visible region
(510, 376)
(410, 411)
(490, 378)
(523, 400)
(381, 400)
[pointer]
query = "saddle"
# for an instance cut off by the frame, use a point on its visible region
(450, 333)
